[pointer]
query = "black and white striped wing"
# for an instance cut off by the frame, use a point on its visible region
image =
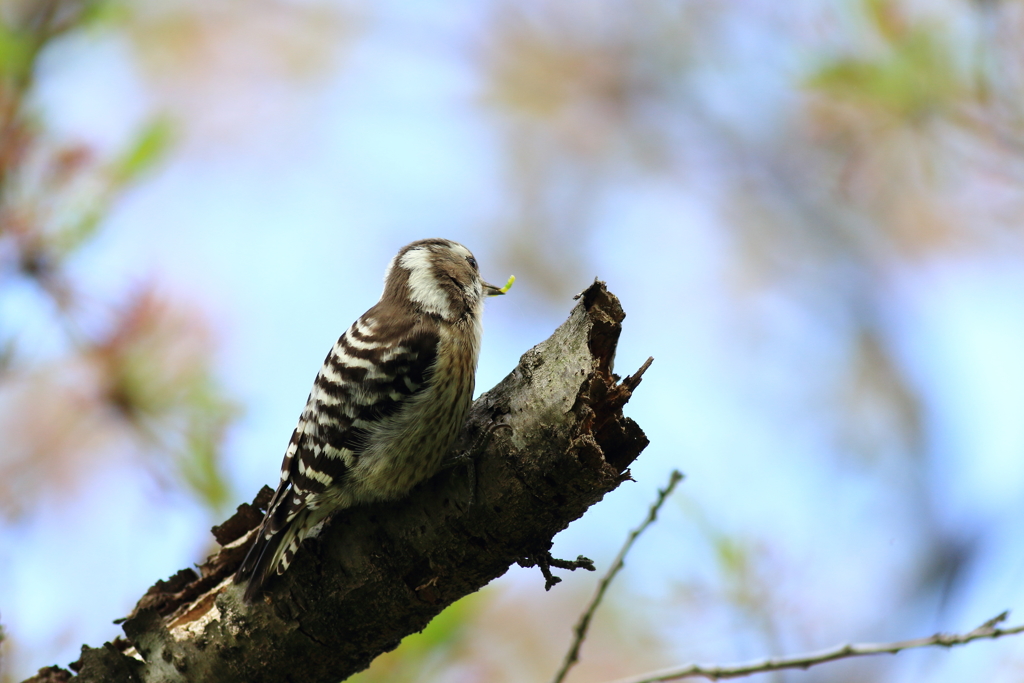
(369, 375)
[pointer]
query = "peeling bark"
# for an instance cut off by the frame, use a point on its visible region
(537, 450)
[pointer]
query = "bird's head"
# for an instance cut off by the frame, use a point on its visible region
(439, 277)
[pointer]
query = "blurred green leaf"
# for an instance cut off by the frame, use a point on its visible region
(200, 469)
(105, 12)
(16, 52)
(69, 238)
(732, 556)
(148, 148)
(200, 464)
(915, 78)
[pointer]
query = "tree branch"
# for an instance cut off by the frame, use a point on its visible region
(987, 630)
(380, 572)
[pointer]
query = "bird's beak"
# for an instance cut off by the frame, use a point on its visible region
(491, 290)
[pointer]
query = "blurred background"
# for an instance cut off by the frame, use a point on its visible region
(811, 211)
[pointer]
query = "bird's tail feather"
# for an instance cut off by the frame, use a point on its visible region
(274, 547)
(270, 554)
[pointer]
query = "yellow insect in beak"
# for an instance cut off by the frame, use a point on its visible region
(491, 290)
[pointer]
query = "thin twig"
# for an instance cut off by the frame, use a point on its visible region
(545, 562)
(580, 631)
(805, 661)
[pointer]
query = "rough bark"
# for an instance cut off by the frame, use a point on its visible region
(537, 450)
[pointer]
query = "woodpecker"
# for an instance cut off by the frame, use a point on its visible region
(385, 407)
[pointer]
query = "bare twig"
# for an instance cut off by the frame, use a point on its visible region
(545, 562)
(580, 631)
(805, 661)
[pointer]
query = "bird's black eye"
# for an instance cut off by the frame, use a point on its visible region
(472, 262)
